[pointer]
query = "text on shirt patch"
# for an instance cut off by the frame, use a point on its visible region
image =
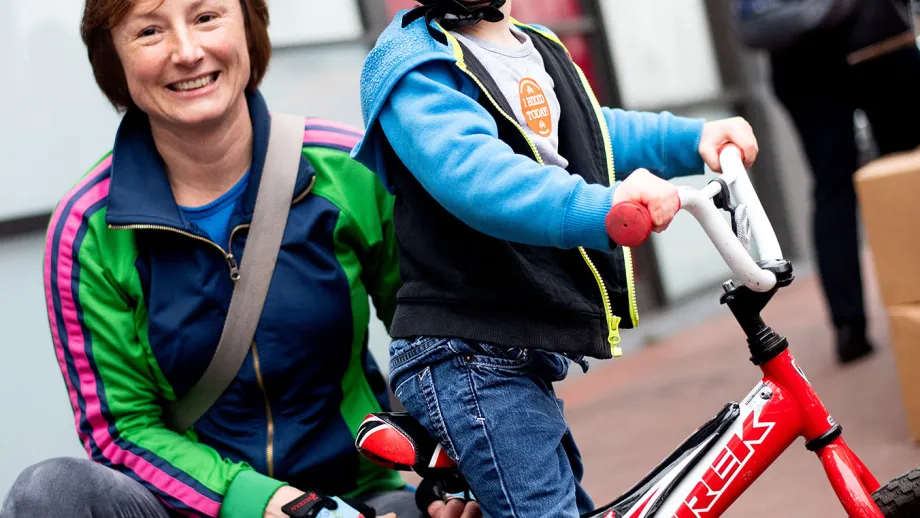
(535, 107)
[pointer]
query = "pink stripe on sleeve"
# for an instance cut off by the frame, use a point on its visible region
(49, 296)
(89, 385)
(334, 125)
(329, 137)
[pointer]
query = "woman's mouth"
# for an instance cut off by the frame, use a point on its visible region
(193, 84)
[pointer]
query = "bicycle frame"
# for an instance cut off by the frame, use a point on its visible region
(782, 407)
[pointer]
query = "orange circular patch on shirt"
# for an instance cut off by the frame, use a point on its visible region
(535, 107)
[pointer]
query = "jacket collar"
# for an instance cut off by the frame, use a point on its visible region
(139, 192)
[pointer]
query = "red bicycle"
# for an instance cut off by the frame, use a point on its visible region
(722, 458)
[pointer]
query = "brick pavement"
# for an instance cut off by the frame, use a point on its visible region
(628, 414)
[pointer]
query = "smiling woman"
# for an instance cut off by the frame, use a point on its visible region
(139, 268)
(111, 29)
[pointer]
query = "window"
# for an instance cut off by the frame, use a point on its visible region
(300, 22)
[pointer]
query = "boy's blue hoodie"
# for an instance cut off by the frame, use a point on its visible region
(412, 92)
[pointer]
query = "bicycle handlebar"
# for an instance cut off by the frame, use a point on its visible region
(629, 224)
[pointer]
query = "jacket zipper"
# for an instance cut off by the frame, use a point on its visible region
(228, 254)
(627, 253)
(611, 171)
(613, 322)
(270, 440)
(235, 276)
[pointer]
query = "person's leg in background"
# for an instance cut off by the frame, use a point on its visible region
(824, 120)
(78, 488)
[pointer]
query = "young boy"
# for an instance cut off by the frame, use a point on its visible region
(502, 163)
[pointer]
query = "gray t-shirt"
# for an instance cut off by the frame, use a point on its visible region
(521, 75)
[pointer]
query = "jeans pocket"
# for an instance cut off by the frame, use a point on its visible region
(404, 351)
(490, 355)
(507, 353)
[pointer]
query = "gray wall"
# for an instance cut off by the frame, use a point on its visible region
(34, 408)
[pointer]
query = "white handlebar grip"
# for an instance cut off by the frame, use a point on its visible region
(736, 176)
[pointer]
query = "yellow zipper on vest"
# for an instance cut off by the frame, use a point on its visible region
(611, 171)
(613, 321)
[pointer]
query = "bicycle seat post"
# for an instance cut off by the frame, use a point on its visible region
(746, 304)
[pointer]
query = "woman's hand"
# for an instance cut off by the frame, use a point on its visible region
(285, 494)
(717, 134)
(282, 496)
(456, 508)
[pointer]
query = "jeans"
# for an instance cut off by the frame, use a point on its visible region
(494, 411)
(80, 488)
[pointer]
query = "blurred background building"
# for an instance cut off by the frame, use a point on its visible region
(676, 55)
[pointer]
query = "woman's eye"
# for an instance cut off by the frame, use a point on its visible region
(205, 18)
(146, 33)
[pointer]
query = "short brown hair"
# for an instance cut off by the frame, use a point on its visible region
(100, 16)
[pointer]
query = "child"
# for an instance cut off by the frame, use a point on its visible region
(502, 163)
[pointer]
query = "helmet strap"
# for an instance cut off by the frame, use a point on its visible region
(454, 13)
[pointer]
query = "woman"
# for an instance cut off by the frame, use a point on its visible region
(138, 281)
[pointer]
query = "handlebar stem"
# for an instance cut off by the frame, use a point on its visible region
(747, 304)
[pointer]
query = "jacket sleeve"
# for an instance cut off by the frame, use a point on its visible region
(370, 209)
(114, 384)
(450, 143)
(666, 145)
(382, 259)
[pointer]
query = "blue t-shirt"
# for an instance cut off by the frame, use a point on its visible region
(214, 218)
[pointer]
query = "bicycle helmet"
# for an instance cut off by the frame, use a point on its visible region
(453, 13)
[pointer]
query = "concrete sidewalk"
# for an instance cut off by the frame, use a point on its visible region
(628, 414)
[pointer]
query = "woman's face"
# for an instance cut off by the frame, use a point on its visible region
(186, 61)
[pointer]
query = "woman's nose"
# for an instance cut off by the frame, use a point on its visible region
(186, 49)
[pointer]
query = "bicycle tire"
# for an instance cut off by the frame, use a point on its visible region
(900, 498)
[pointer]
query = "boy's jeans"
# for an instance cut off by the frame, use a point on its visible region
(494, 411)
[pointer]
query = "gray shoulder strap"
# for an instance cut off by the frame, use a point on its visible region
(273, 202)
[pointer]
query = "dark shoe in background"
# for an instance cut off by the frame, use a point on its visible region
(852, 343)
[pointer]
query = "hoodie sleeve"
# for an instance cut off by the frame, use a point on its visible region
(666, 145)
(450, 143)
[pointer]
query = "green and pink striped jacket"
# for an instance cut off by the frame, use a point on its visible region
(136, 298)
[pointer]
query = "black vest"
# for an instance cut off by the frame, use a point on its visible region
(461, 283)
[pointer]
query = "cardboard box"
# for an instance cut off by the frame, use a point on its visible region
(905, 345)
(889, 199)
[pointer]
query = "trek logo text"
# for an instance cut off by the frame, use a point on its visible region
(723, 469)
